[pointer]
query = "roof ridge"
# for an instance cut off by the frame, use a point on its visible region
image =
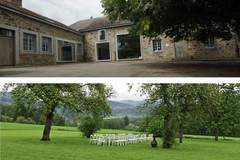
(90, 19)
(38, 16)
(98, 23)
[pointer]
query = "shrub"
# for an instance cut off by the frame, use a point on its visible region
(22, 119)
(89, 125)
(6, 118)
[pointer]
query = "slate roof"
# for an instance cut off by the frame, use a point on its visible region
(98, 23)
(30, 14)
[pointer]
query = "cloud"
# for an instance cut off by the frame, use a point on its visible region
(65, 11)
(122, 91)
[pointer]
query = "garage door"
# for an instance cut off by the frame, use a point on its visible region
(6, 47)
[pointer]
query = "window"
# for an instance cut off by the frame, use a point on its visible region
(47, 44)
(6, 33)
(102, 35)
(157, 45)
(29, 42)
(128, 47)
(210, 43)
(66, 51)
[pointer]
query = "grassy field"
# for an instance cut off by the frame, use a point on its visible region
(22, 142)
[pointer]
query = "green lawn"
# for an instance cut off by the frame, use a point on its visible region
(22, 142)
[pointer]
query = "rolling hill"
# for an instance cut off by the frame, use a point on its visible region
(120, 108)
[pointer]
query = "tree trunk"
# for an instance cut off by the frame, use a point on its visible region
(48, 126)
(168, 132)
(216, 134)
(180, 133)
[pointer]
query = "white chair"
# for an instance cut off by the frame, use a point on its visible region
(93, 139)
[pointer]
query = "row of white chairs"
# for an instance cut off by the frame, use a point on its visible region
(118, 139)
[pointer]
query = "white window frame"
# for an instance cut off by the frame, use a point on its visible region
(141, 48)
(153, 45)
(22, 42)
(66, 40)
(96, 52)
(208, 44)
(99, 35)
(41, 40)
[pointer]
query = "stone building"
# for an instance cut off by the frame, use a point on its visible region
(105, 40)
(27, 38)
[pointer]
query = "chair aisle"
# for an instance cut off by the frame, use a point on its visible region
(119, 139)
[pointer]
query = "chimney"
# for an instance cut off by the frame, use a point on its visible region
(17, 3)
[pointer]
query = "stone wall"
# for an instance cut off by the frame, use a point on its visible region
(167, 53)
(91, 38)
(11, 19)
(170, 50)
(37, 59)
(197, 51)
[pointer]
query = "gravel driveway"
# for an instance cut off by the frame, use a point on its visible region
(129, 69)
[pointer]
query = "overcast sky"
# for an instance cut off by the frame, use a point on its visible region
(65, 11)
(121, 91)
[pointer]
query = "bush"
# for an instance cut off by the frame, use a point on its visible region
(22, 119)
(5, 119)
(89, 125)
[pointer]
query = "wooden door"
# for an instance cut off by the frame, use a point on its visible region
(7, 47)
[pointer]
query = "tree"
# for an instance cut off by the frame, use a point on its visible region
(215, 106)
(160, 104)
(89, 125)
(126, 121)
(181, 98)
(114, 123)
(185, 99)
(96, 107)
(219, 108)
(179, 19)
(50, 96)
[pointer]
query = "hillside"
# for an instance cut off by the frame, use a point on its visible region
(5, 98)
(126, 108)
(121, 108)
